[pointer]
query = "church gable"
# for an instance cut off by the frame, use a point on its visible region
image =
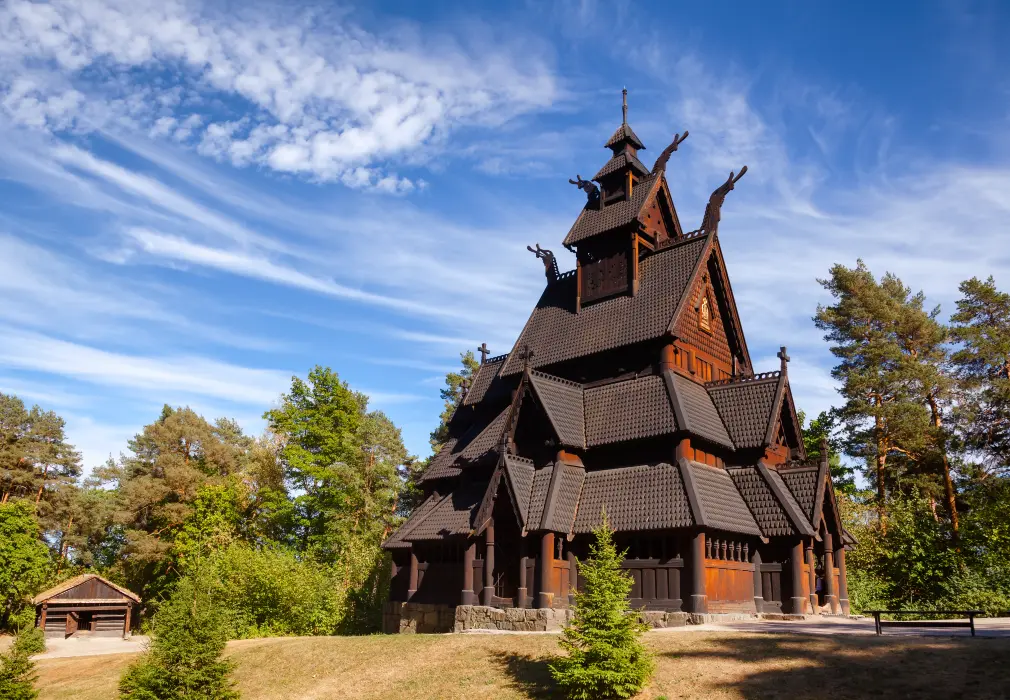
(708, 322)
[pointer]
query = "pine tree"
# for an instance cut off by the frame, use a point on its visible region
(184, 661)
(17, 671)
(451, 395)
(606, 658)
(892, 354)
(982, 365)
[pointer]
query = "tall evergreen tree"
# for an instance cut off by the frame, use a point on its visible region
(821, 430)
(981, 325)
(157, 484)
(344, 460)
(451, 395)
(892, 353)
(36, 461)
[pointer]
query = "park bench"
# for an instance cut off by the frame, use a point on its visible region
(935, 624)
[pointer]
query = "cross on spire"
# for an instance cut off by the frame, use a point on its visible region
(781, 354)
(483, 352)
(624, 106)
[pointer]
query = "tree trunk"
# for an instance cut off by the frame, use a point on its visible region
(881, 458)
(948, 483)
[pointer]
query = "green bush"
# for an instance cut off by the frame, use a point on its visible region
(17, 670)
(32, 641)
(184, 661)
(274, 591)
(606, 658)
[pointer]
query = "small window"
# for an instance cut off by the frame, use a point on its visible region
(705, 315)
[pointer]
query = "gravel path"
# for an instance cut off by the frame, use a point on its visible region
(92, 646)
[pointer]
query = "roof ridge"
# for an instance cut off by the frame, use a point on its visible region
(552, 377)
(743, 379)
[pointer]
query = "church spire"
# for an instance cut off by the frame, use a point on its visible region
(624, 140)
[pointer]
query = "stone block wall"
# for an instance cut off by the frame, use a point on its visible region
(414, 618)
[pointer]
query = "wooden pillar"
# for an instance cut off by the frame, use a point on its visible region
(126, 621)
(412, 581)
(799, 603)
(546, 596)
(469, 554)
(573, 576)
(812, 578)
(759, 599)
(830, 595)
(843, 584)
(523, 593)
(668, 357)
(699, 596)
(42, 617)
(489, 564)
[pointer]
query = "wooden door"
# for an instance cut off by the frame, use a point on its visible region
(73, 619)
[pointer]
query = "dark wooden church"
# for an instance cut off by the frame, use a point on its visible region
(629, 390)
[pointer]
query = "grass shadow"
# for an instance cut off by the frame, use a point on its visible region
(528, 674)
(799, 667)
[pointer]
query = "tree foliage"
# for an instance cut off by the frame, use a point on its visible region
(452, 394)
(184, 661)
(25, 563)
(343, 460)
(17, 670)
(606, 658)
(892, 353)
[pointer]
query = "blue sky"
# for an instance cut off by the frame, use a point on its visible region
(199, 200)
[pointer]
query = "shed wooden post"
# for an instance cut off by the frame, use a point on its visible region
(523, 593)
(126, 620)
(469, 554)
(573, 576)
(545, 596)
(812, 578)
(489, 564)
(699, 595)
(830, 596)
(843, 584)
(42, 618)
(799, 603)
(759, 600)
(412, 580)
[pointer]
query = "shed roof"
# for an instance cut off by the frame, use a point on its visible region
(77, 581)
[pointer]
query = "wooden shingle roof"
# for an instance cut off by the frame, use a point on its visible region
(635, 408)
(562, 401)
(723, 505)
(76, 581)
(645, 497)
(476, 445)
(746, 406)
(593, 221)
(555, 332)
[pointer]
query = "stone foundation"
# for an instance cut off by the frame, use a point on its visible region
(480, 617)
(411, 618)
(416, 618)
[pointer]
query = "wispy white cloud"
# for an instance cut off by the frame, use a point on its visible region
(320, 95)
(171, 375)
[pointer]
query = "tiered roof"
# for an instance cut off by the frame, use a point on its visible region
(736, 418)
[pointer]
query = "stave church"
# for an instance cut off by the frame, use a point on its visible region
(630, 392)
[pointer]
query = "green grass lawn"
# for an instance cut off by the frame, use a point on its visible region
(689, 665)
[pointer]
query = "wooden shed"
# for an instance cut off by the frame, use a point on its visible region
(85, 605)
